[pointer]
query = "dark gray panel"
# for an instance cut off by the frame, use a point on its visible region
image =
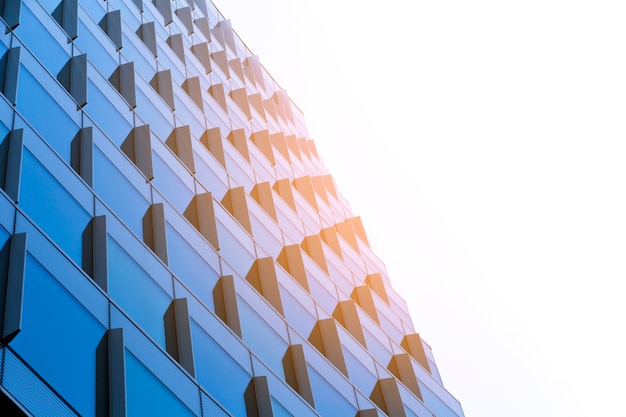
(14, 294)
(147, 34)
(66, 14)
(258, 399)
(178, 334)
(111, 23)
(201, 51)
(176, 43)
(184, 14)
(194, 90)
(14, 164)
(10, 69)
(154, 234)
(123, 79)
(11, 11)
(297, 374)
(164, 7)
(138, 148)
(179, 142)
(162, 84)
(225, 301)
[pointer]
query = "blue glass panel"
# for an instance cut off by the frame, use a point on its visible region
(147, 396)
(190, 267)
(212, 365)
(40, 41)
(151, 108)
(136, 293)
(362, 377)
(118, 193)
(328, 402)
(278, 409)
(44, 114)
(174, 188)
(49, 205)
(104, 109)
(434, 403)
(59, 338)
(99, 50)
(260, 336)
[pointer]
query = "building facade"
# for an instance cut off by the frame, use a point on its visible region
(171, 243)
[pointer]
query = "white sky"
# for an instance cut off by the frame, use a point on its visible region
(483, 144)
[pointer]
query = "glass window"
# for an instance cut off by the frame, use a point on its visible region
(178, 190)
(37, 37)
(213, 363)
(262, 337)
(59, 338)
(136, 293)
(147, 396)
(44, 114)
(49, 205)
(190, 267)
(328, 402)
(117, 192)
(106, 108)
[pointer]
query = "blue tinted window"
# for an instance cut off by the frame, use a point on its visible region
(118, 193)
(105, 111)
(49, 205)
(261, 338)
(328, 402)
(136, 293)
(45, 115)
(213, 364)
(59, 338)
(147, 396)
(190, 268)
(39, 40)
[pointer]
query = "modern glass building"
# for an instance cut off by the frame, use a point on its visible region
(171, 243)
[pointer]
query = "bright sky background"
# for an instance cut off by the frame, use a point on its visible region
(483, 143)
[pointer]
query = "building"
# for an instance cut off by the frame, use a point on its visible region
(172, 244)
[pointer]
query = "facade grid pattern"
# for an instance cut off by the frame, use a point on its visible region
(171, 242)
